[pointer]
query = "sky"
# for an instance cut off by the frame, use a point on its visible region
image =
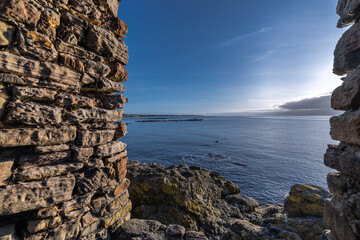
(207, 56)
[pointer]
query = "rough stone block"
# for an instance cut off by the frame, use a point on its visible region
(36, 136)
(74, 24)
(64, 99)
(26, 11)
(349, 11)
(52, 211)
(19, 65)
(53, 148)
(106, 85)
(6, 164)
(108, 221)
(305, 200)
(36, 45)
(41, 224)
(6, 33)
(75, 51)
(49, 22)
(71, 62)
(116, 157)
(121, 130)
(31, 93)
(343, 158)
(346, 56)
(347, 96)
(117, 27)
(109, 149)
(335, 219)
(121, 187)
(43, 159)
(4, 98)
(337, 184)
(83, 154)
(95, 137)
(346, 127)
(38, 173)
(92, 181)
(118, 72)
(33, 195)
(120, 168)
(113, 5)
(96, 69)
(30, 113)
(94, 115)
(105, 43)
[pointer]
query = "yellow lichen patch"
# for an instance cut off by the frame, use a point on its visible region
(36, 37)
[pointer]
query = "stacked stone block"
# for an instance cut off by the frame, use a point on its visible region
(342, 211)
(62, 166)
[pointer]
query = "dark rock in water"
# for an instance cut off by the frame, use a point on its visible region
(206, 205)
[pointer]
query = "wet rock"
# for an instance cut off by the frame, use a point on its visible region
(94, 115)
(6, 33)
(105, 43)
(30, 113)
(109, 149)
(36, 45)
(37, 173)
(305, 200)
(36, 136)
(94, 138)
(29, 196)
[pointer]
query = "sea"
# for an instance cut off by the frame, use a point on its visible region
(265, 156)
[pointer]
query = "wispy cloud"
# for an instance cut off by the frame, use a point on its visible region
(269, 53)
(241, 37)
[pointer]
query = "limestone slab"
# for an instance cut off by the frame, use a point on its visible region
(110, 149)
(37, 136)
(95, 137)
(33, 195)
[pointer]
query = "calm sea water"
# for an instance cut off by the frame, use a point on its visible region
(265, 156)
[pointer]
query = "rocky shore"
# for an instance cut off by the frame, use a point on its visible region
(181, 202)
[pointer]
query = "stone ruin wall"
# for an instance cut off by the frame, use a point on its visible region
(62, 168)
(342, 212)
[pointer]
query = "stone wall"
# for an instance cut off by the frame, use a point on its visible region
(342, 212)
(62, 168)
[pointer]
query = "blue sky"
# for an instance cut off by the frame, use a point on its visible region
(207, 56)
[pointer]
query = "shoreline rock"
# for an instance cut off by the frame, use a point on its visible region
(206, 205)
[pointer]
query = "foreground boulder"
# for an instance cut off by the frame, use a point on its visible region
(306, 200)
(201, 201)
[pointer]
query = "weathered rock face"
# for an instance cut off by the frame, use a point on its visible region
(207, 206)
(62, 169)
(305, 200)
(342, 210)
